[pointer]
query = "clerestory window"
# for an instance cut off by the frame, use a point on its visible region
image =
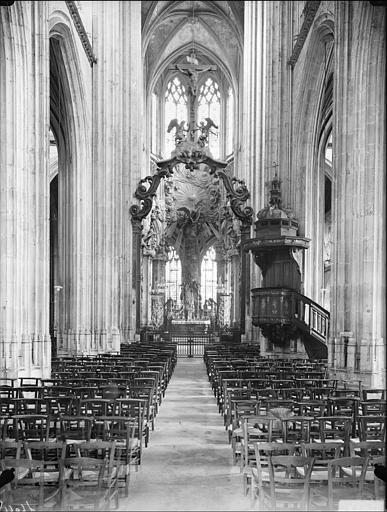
(176, 102)
(209, 276)
(173, 277)
(209, 107)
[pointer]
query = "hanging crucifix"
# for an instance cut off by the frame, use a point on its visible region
(192, 70)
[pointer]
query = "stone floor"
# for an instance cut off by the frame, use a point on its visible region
(187, 464)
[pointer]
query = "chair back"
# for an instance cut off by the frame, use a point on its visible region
(323, 451)
(75, 428)
(287, 485)
(346, 471)
(372, 428)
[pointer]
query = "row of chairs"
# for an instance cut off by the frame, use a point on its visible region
(285, 428)
(88, 401)
(319, 396)
(295, 405)
(65, 475)
(312, 476)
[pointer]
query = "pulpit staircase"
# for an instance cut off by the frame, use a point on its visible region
(288, 312)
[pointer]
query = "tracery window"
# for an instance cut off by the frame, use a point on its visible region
(176, 102)
(209, 106)
(173, 277)
(208, 276)
(327, 244)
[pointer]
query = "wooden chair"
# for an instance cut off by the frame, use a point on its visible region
(257, 473)
(335, 429)
(38, 480)
(287, 490)
(127, 434)
(7, 406)
(23, 405)
(233, 395)
(322, 454)
(345, 406)
(346, 477)
(372, 428)
(373, 407)
(374, 393)
(28, 427)
(145, 396)
(93, 483)
(296, 429)
(59, 405)
(239, 408)
(75, 428)
(375, 452)
(8, 392)
(134, 409)
(253, 429)
(96, 407)
(292, 394)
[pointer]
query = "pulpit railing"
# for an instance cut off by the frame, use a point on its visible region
(286, 308)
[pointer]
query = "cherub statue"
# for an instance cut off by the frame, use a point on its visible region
(180, 130)
(205, 130)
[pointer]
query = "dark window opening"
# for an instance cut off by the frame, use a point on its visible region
(345, 353)
(328, 195)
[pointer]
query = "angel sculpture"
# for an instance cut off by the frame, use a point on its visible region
(205, 130)
(179, 133)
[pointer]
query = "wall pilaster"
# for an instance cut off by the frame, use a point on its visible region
(25, 348)
(359, 138)
(117, 151)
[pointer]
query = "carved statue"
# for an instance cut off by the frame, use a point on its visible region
(192, 71)
(180, 133)
(152, 239)
(205, 130)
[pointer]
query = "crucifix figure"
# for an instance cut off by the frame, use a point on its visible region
(192, 70)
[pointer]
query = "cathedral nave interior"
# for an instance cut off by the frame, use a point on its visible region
(192, 247)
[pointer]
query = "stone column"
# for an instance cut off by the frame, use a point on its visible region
(278, 84)
(147, 269)
(254, 85)
(253, 121)
(235, 279)
(132, 152)
(25, 348)
(117, 89)
(358, 289)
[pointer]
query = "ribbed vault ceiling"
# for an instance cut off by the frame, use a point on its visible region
(168, 34)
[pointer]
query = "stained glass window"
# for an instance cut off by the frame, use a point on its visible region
(175, 108)
(209, 276)
(173, 277)
(209, 106)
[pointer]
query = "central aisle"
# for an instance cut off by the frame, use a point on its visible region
(188, 462)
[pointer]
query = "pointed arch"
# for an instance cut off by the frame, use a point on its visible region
(69, 121)
(315, 100)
